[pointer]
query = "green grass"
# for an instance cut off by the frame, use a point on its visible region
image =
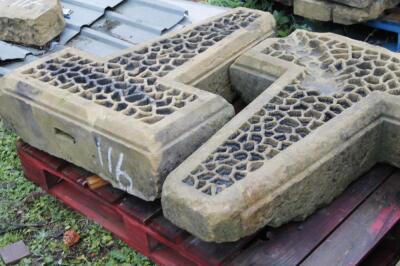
(26, 213)
(286, 23)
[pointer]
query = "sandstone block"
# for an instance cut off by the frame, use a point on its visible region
(355, 3)
(348, 15)
(332, 113)
(132, 117)
(343, 12)
(313, 9)
(30, 22)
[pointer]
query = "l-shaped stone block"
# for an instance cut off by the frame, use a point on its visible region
(331, 113)
(132, 117)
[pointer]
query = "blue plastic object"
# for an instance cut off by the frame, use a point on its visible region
(388, 26)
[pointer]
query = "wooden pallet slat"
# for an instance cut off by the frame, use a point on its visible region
(141, 210)
(387, 252)
(110, 194)
(362, 231)
(291, 243)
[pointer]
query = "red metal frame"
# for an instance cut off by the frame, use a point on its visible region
(142, 226)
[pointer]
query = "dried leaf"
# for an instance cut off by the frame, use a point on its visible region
(71, 237)
(95, 182)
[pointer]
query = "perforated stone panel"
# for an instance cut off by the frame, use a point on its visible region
(107, 85)
(132, 117)
(336, 76)
(128, 83)
(297, 145)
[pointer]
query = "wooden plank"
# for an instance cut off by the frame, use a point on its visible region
(139, 209)
(214, 253)
(387, 252)
(75, 174)
(168, 230)
(363, 230)
(291, 243)
(110, 194)
(54, 163)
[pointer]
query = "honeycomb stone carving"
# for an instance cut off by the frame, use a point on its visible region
(297, 145)
(134, 116)
(336, 76)
(128, 83)
(107, 85)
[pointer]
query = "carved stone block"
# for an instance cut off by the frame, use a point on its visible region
(132, 117)
(30, 22)
(332, 113)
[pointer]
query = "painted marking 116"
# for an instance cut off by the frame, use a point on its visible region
(106, 162)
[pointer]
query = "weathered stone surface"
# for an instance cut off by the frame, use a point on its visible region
(332, 113)
(348, 15)
(325, 10)
(30, 22)
(133, 117)
(355, 3)
(313, 9)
